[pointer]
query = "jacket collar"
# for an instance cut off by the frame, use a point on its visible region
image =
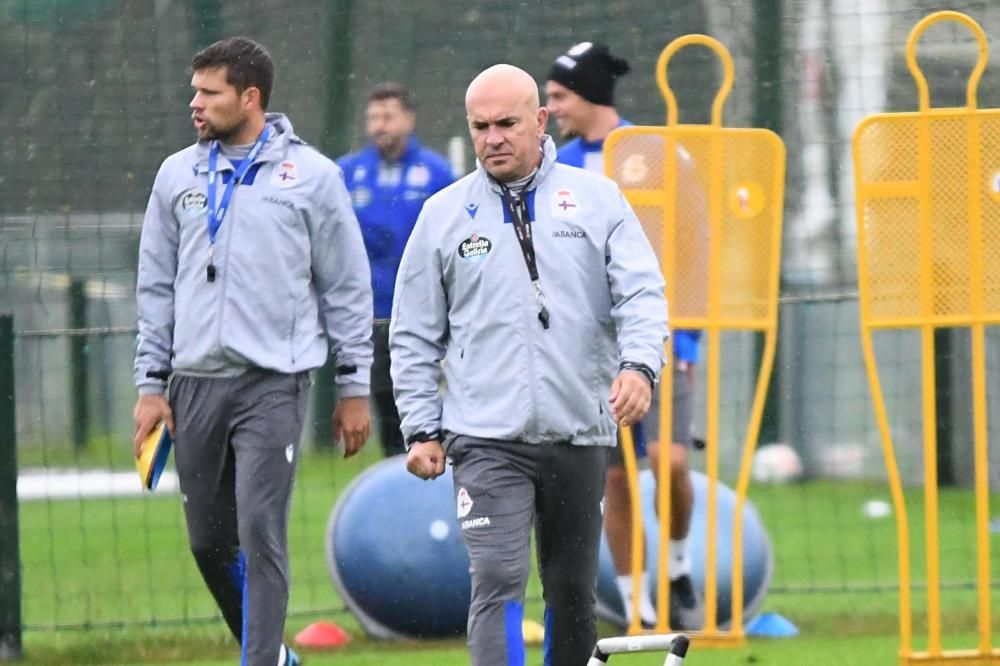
(548, 160)
(274, 150)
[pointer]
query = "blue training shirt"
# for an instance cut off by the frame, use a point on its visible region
(387, 198)
(590, 155)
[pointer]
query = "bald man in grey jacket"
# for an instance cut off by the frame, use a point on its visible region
(535, 283)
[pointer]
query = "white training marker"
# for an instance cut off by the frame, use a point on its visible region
(876, 509)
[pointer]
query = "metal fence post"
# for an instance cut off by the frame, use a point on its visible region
(79, 366)
(947, 417)
(767, 114)
(336, 133)
(10, 558)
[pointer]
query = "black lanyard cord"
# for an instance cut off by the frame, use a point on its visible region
(518, 208)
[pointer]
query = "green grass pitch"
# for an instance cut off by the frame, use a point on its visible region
(126, 561)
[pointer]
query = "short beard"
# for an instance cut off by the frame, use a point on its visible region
(221, 134)
(390, 151)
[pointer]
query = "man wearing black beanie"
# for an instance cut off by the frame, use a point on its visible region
(580, 96)
(590, 70)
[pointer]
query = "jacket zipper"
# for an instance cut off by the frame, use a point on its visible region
(225, 277)
(533, 419)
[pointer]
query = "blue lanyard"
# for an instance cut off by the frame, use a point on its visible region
(217, 213)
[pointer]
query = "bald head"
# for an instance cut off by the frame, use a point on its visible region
(506, 121)
(508, 79)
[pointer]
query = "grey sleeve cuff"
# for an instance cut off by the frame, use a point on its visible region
(353, 390)
(158, 388)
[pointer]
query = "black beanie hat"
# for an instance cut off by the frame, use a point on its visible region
(589, 70)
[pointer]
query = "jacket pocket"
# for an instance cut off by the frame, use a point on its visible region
(454, 373)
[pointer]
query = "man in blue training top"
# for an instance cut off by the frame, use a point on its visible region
(389, 180)
(580, 96)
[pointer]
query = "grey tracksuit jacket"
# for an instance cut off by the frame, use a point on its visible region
(293, 281)
(464, 295)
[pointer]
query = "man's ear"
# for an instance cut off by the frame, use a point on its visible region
(543, 120)
(251, 98)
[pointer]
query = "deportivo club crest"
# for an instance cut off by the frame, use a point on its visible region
(564, 204)
(463, 503)
(285, 174)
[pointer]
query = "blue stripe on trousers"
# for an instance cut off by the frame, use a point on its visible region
(546, 644)
(513, 617)
(243, 584)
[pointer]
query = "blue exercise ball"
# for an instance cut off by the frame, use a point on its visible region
(758, 559)
(396, 555)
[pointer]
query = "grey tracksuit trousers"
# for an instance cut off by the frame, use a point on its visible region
(502, 490)
(236, 448)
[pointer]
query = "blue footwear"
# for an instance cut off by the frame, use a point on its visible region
(291, 659)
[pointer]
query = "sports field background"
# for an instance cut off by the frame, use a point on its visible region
(129, 573)
(93, 95)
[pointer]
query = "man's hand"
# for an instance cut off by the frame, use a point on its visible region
(149, 411)
(352, 423)
(630, 397)
(426, 460)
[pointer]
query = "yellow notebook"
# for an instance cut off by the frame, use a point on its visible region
(153, 457)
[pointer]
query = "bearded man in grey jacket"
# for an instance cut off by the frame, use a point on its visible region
(252, 271)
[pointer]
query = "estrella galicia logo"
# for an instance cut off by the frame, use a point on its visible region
(475, 247)
(194, 202)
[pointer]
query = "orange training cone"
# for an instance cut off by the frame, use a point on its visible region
(322, 635)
